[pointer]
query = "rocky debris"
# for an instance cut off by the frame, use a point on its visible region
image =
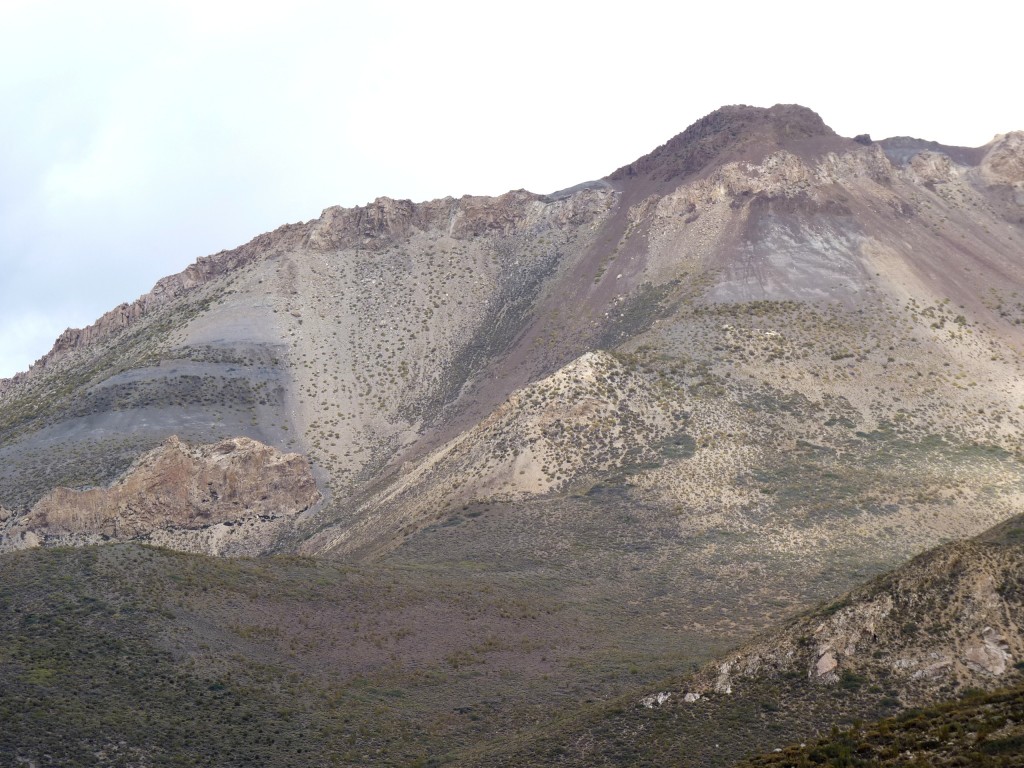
(655, 699)
(237, 482)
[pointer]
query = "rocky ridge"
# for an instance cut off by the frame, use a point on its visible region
(729, 134)
(950, 620)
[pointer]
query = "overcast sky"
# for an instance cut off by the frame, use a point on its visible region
(138, 136)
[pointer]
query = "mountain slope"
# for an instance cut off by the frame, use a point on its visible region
(947, 623)
(369, 338)
(659, 412)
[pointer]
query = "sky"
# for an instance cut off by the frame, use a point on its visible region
(137, 137)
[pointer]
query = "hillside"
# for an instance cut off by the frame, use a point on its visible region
(297, 661)
(588, 440)
(949, 623)
(982, 729)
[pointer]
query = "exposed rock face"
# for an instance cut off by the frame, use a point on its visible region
(826, 664)
(171, 490)
(989, 653)
(932, 168)
(385, 221)
(953, 617)
(1004, 162)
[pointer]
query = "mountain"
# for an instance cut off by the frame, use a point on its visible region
(633, 424)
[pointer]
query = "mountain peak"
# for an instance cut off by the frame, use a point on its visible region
(737, 132)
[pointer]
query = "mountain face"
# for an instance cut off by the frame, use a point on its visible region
(797, 275)
(673, 406)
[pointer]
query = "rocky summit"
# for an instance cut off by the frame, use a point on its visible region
(546, 453)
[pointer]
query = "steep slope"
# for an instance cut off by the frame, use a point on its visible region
(340, 337)
(371, 337)
(808, 283)
(563, 432)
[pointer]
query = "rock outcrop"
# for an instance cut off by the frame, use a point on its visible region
(1004, 161)
(952, 618)
(180, 496)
